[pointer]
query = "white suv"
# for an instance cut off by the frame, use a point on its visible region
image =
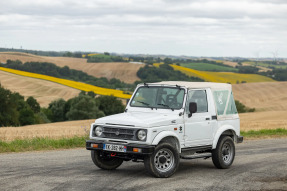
(168, 121)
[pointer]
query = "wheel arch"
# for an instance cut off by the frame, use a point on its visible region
(167, 137)
(226, 130)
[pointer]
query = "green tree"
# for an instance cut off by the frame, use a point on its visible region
(84, 107)
(110, 105)
(57, 108)
(9, 115)
(34, 105)
(26, 116)
(167, 61)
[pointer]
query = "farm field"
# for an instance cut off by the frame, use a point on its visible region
(208, 67)
(249, 121)
(51, 130)
(70, 83)
(225, 77)
(264, 96)
(265, 65)
(125, 72)
(44, 91)
(263, 120)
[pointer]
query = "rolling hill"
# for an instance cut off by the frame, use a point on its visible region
(223, 77)
(125, 72)
(264, 96)
(44, 91)
(74, 84)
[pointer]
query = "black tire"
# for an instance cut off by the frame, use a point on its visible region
(104, 162)
(223, 155)
(163, 162)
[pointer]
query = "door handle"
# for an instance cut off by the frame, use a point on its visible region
(207, 118)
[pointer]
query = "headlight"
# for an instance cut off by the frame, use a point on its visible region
(141, 135)
(98, 131)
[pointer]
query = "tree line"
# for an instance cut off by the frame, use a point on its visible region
(16, 111)
(165, 72)
(65, 72)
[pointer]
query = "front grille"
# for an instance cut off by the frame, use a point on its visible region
(118, 133)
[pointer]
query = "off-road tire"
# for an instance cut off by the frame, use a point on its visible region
(223, 155)
(105, 162)
(163, 162)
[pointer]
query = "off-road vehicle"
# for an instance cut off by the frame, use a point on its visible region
(168, 121)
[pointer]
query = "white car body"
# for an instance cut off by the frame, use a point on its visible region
(201, 129)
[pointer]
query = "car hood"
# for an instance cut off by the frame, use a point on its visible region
(141, 119)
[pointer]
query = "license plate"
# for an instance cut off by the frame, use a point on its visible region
(116, 148)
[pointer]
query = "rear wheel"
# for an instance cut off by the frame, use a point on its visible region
(163, 162)
(104, 162)
(223, 155)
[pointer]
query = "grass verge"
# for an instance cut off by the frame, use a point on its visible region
(264, 133)
(37, 144)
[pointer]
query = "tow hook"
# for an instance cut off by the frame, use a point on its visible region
(113, 154)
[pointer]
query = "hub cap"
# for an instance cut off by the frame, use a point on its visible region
(164, 160)
(227, 153)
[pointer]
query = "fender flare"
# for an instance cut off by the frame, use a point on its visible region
(160, 136)
(219, 133)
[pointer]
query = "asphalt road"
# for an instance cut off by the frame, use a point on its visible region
(259, 165)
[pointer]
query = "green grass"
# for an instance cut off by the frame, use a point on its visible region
(264, 133)
(209, 67)
(37, 144)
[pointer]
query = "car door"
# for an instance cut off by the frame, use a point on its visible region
(198, 129)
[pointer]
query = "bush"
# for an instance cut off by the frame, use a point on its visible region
(241, 108)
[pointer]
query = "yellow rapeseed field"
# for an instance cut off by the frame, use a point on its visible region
(70, 83)
(224, 77)
(93, 54)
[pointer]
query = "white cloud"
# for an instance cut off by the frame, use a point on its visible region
(198, 27)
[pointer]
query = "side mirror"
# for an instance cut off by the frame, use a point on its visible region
(192, 108)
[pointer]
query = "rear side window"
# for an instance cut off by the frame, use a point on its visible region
(221, 98)
(231, 108)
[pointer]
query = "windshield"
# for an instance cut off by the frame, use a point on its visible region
(158, 97)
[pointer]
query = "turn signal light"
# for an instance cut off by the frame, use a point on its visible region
(94, 145)
(137, 150)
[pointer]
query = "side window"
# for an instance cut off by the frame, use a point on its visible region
(231, 108)
(199, 97)
(220, 98)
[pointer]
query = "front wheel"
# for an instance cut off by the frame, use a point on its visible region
(163, 162)
(223, 155)
(104, 162)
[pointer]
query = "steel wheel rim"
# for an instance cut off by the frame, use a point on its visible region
(227, 153)
(164, 160)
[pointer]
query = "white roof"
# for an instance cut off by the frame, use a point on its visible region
(211, 85)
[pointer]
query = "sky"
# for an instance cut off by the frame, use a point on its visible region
(214, 28)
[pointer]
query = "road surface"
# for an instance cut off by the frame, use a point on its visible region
(259, 165)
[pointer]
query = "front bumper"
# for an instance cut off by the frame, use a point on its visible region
(239, 139)
(145, 149)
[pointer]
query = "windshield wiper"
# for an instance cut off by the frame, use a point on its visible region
(143, 103)
(147, 104)
(166, 106)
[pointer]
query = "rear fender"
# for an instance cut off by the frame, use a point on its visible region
(221, 130)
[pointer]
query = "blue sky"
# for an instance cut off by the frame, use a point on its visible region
(247, 28)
